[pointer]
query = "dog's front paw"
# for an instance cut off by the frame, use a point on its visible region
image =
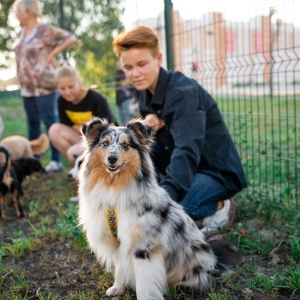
(115, 291)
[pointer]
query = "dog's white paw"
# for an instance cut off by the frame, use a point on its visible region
(115, 291)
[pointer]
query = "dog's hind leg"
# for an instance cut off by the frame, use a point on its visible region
(150, 276)
(2, 207)
(118, 287)
(16, 204)
(21, 205)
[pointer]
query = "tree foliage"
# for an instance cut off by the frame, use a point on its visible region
(6, 31)
(93, 22)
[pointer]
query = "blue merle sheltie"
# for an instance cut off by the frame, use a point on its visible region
(131, 223)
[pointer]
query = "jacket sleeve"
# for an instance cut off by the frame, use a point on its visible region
(186, 118)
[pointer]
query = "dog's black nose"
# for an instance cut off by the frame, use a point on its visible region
(112, 159)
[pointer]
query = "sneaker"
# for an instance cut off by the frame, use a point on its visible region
(53, 166)
(74, 199)
(222, 220)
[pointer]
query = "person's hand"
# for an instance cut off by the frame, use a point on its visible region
(154, 121)
(125, 83)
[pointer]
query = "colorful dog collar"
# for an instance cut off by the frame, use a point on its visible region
(112, 222)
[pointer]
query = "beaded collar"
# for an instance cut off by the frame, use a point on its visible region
(112, 222)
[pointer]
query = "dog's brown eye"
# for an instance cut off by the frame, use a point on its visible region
(125, 145)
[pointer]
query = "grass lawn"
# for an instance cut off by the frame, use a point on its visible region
(45, 255)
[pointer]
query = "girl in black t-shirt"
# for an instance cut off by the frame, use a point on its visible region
(76, 105)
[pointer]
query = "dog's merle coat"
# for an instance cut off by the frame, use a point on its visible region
(157, 242)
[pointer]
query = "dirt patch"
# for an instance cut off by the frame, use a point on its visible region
(57, 268)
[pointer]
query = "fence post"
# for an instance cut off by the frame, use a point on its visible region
(169, 33)
(62, 21)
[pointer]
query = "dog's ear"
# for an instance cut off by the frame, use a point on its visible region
(80, 162)
(95, 125)
(144, 132)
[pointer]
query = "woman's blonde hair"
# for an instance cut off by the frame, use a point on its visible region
(31, 5)
(139, 37)
(66, 70)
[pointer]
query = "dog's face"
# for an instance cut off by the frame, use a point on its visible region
(117, 151)
(73, 173)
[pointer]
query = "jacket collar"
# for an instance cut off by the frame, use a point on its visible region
(159, 95)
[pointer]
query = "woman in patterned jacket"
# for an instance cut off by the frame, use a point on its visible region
(36, 50)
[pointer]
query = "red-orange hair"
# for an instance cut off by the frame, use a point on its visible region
(139, 37)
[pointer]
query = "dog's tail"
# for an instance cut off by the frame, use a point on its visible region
(39, 145)
(227, 256)
(6, 179)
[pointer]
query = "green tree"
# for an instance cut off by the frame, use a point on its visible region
(93, 22)
(7, 33)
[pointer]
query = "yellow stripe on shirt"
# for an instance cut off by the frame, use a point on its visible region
(79, 118)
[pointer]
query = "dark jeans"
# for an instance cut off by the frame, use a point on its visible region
(41, 108)
(202, 199)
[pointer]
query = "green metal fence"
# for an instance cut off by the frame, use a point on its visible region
(252, 69)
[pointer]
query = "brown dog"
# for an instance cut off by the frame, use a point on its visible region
(21, 147)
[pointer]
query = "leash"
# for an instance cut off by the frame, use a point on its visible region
(112, 222)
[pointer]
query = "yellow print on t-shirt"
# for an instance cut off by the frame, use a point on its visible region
(79, 118)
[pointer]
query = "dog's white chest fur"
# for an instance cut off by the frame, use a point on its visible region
(108, 248)
(93, 216)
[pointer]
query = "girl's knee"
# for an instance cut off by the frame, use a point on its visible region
(54, 130)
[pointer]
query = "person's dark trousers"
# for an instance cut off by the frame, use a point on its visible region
(202, 199)
(41, 108)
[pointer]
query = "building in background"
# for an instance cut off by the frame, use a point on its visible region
(222, 54)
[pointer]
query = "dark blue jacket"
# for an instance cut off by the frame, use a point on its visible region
(195, 137)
